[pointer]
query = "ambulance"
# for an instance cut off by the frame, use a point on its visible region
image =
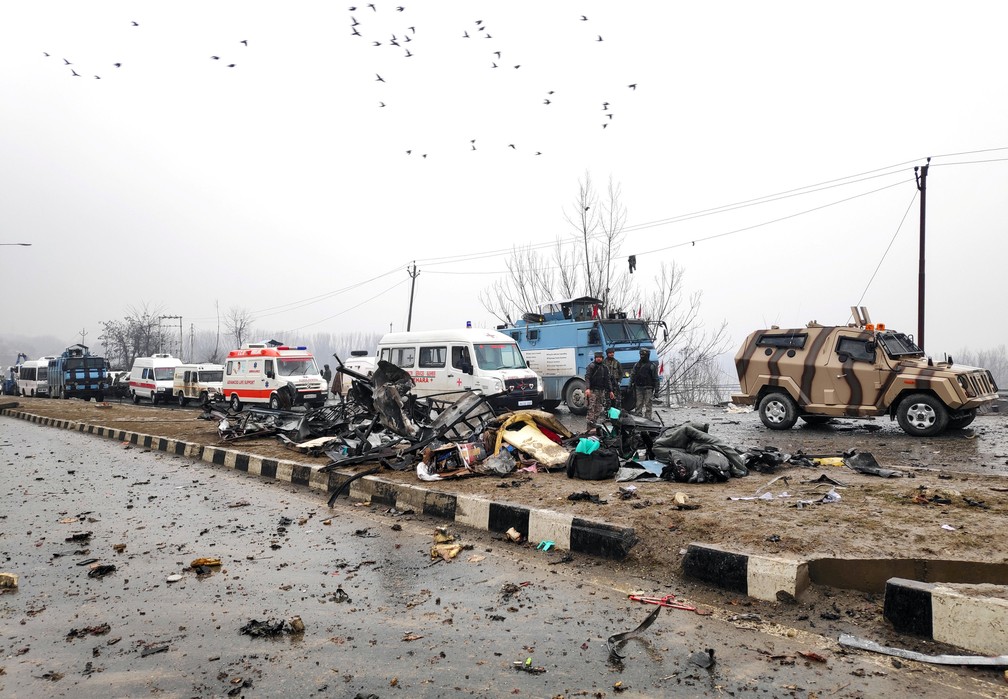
(153, 377)
(253, 374)
(198, 381)
(448, 362)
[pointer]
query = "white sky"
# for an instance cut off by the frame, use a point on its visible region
(179, 182)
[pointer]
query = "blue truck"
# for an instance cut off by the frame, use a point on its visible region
(78, 374)
(561, 340)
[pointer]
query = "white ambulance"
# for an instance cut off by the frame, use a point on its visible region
(451, 361)
(253, 374)
(153, 377)
(198, 382)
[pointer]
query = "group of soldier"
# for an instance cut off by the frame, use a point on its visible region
(602, 380)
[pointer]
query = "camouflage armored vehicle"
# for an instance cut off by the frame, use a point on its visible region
(859, 370)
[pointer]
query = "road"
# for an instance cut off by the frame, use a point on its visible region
(380, 617)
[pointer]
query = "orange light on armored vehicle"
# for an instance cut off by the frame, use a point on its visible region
(870, 327)
(880, 327)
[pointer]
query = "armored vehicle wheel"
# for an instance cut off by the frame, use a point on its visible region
(574, 397)
(136, 398)
(235, 403)
(957, 423)
(182, 400)
(778, 411)
(922, 415)
(274, 402)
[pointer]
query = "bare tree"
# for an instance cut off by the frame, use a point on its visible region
(238, 322)
(138, 334)
(591, 264)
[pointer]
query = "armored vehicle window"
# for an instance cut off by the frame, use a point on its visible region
(638, 331)
(616, 332)
(433, 357)
(533, 335)
(899, 345)
(855, 349)
(796, 341)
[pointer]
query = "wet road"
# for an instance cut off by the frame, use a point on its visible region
(380, 617)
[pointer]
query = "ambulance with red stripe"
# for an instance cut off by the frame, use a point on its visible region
(153, 377)
(253, 374)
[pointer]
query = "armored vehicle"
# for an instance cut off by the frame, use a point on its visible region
(859, 370)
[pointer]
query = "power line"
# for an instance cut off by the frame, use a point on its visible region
(347, 310)
(891, 241)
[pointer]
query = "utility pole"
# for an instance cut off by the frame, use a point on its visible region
(161, 337)
(82, 333)
(192, 338)
(413, 275)
(921, 174)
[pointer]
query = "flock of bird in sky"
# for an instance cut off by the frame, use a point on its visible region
(406, 36)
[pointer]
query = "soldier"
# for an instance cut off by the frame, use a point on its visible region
(615, 373)
(644, 379)
(599, 383)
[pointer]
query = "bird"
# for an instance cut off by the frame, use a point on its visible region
(479, 21)
(495, 52)
(599, 38)
(605, 106)
(216, 58)
(376, 43)
(538, 152)
(424, 156)
(609, 115)
(393, 42)
(97, 77)
(605, 125)
(44, 53)
(704, 659)
(583, 18)
(371, 5)
(408, 54)
(409, 152)
(135, 24)
(244, 41)
(380, 79)
(550, 92)
(465, 35)
(412, 29)
(632, 86)
(474, 147)
(352, 9)
(67, 62)
(518, 66)
(587, 207)
(494, 65)
(406, 38)
(511, 146)
(489, 37)
(355, 22)
(231, 65)
(546, 101)
(355, 32)
(75, 72)
(117, 65)
(381, 104)
(400, 8)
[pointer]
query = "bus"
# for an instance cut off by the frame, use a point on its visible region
(33, 377)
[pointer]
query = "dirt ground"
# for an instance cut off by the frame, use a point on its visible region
(875, 517)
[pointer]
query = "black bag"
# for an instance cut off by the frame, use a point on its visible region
(601, 464)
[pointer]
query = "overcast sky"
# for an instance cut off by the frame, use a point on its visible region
(282, 185)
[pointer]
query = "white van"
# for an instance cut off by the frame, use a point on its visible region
(153, 377)
(33, 377)
(200, 382)
(253, 374)
(450, 361)
(359, 362)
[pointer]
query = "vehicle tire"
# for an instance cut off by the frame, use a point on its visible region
(922, 415)
(575, 398)
(33, 393)
(550, 405)
(136, 398)
(274, 402)
(22, 393)
(778, 411)
(182, 400)
(155, 398)
(235, 403)
(958, 423)
(816, 419)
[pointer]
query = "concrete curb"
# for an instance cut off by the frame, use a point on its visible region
(761, 577)
(565, 531)
(960, 615)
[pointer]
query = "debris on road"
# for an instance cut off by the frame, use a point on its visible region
(618, 639)
(703, 659)
(8, 581)
(850, 641)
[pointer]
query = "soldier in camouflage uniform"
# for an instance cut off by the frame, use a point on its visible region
(615, 373)
(599, 385)
(644, 379)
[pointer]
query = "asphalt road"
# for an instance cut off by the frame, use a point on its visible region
(380, 617)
